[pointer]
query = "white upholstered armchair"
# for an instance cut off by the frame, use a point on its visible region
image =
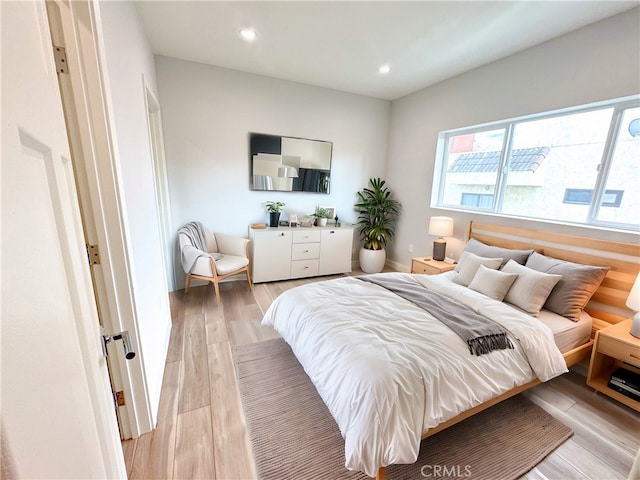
(212, 256)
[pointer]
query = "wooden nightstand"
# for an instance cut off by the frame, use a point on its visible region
(614, 347)
(430, 266)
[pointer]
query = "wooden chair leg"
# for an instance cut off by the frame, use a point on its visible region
(381, 474)
(215, 286)
(249, 280)
(186, 287)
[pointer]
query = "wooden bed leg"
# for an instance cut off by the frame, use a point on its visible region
(380, 474)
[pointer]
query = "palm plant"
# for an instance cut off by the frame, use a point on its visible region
(377, 214)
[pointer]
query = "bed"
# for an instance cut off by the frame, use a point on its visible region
(391, 373)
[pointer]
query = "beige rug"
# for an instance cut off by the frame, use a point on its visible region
(294, 436)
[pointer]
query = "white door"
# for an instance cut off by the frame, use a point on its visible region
(58, 418)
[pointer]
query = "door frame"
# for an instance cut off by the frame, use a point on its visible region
(160, 181)
(77, 26)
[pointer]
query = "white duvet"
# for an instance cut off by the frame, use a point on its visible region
(388, 371)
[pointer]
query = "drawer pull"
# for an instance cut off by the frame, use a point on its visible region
(306, 251)
(634, 356)
(332, 231)
(282, 234)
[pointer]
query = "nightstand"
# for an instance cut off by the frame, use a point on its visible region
(614, 347)
(430, 266)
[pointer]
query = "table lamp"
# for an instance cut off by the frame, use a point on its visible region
(440, 227)
(633, 302)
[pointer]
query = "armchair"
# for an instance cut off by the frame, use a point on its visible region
(212, 256)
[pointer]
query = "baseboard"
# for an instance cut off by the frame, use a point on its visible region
(391, 264)
(397, 267)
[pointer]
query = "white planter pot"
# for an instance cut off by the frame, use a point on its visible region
(322, 222)
(372, 261)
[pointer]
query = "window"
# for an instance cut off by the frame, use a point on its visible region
(477, 200)
(570, 166)
(611, 198)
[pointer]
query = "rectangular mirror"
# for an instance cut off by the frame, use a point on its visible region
(289, 164)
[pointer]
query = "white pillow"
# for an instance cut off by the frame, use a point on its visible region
(469, 264)
(492, 283)
(531, 289)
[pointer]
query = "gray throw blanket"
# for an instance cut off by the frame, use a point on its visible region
(481, 334)
(195, 232)
(198, 248)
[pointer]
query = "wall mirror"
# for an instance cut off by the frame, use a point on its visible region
(289, 164)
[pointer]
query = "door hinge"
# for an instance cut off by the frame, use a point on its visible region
(60, 57)
(119, 397)
(94, 254)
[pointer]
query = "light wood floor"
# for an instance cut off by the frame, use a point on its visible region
(201, 431)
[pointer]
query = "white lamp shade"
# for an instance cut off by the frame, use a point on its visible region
(633, 300)
(441, 226)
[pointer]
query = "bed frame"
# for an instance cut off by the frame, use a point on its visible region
(607, 306)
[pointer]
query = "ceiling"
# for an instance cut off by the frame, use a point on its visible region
(341, 45)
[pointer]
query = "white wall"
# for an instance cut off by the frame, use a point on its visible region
(208, 113)
(128, 60)
(598, 62)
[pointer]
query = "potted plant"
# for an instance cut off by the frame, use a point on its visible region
(274, 209)
(377, 216)
(322, 215)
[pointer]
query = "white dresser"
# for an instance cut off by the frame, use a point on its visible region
(283, 252)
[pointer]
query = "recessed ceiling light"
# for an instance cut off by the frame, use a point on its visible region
(384, 69)
(249, 34)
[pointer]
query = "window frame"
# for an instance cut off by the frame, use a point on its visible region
(508, 126)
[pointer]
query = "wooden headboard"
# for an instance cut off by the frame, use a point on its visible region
(607, 306)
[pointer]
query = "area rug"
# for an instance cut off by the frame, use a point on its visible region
(294, 436)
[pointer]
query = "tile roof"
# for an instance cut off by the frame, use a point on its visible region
(522, 160)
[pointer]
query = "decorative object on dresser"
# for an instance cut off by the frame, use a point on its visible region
(440, 227)
(633, 302)
(322, 214)
(212, 256)
(430, 266)
(274, 209)
(377, 215)
(331, 211)
(284, 253)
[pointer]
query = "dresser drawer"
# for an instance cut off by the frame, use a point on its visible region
(305, 251)
(620, 350)
(306, 236)
(304, 268)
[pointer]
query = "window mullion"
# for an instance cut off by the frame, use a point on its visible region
(603, 170)
(503, 169)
